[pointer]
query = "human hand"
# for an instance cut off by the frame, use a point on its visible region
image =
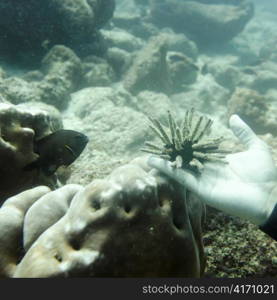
(246, 186)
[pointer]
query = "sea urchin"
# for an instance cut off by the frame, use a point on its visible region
(183, 143)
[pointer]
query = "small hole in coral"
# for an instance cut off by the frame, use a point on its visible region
(179, 225)
(58, 257)
(127, 208)
(161, 202)
(96, 205)
(75, 244)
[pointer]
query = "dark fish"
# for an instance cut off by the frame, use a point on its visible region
(59, 148)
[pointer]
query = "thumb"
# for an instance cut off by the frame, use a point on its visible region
(243, 132)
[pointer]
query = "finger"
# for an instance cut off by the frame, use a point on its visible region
(184, 177)
(25, 199)
(244, 133)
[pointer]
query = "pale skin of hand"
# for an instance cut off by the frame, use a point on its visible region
(246, 186)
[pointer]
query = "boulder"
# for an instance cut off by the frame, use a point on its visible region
(205, 22)
(134, 223)
(32, 27)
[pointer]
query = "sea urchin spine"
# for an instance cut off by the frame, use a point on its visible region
(182, 144)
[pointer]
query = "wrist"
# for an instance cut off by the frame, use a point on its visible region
(270, 226)
(270, 204)
(266, 205)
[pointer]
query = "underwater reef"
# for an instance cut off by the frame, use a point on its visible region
(134, 223)
(104, 69)
(32, 28)
(20, 125)
(206, 22)
(59, 75)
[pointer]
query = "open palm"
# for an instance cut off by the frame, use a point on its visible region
(244, 187)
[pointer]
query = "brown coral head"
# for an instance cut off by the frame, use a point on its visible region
(132, 224)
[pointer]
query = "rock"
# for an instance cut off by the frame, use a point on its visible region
(268, 51)
(122, 39)
(119, 59)
(52, 115)
(182, 71)
(115, 127)
(254, 109)
(62, 60)
(135, 24)
(60, 75)
(17, 90)
(149, 68)
(206, 95)
(180, 43)
(264, 81)
(224, 72)
(103, 110)
(97, 72)
(153, 104)
(134, 223)
(207, 24)
(33, 76)
(67, 22)
(125, 20)
(2, 74)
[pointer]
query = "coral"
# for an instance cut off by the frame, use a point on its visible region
(183, 144)
(133, 223)
(19, 126)
(12, 215)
